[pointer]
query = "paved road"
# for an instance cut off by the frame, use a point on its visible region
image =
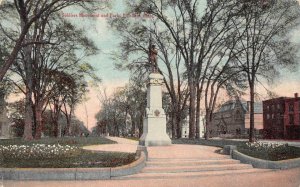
(279, 178)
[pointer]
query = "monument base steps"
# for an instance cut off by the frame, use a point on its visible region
(160, 168)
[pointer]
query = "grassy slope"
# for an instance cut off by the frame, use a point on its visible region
(86, 159)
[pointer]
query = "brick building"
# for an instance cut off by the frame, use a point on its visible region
(281, 118)
(233, 118)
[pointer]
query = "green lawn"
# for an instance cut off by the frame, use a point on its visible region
(132, 138)
(76, 141)
(86, 159)
(75, 159)
(284, 153)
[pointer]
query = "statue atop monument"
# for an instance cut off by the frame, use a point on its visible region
(153, 58)
(154, 122)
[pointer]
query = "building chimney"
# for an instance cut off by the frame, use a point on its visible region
(296, 95)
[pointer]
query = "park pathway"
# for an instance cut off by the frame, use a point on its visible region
(123, 145)
(181, 161)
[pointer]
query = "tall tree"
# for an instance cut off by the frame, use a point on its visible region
(66, 48)
(75, 95)
(263, 27)
(135, 39)
(34, 19)
(193, 31)
(29, 12)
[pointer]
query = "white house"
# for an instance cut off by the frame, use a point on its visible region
(185, 127)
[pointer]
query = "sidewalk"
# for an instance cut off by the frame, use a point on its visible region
(183, 151)
(123, 145)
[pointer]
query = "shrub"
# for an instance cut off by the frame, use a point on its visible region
(263, 146)
(270, 151)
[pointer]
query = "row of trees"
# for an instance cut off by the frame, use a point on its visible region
(46, 62)
(205, 46)
(17, 114)
(209, 46)
(123, 112)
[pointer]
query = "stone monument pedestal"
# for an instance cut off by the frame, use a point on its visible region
(154, 126)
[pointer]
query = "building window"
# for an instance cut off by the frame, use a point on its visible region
(278, 106)
(268, 116)
(238, 115)
(273, 107)
(291, 107)
(291, 117)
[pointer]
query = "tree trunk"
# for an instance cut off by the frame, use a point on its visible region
(66, 130)
(133, 127)
(173, 123)
(192, 125)
(28, 96)
(208, 123)
(178, 124)
(15, 51)
(68, 115)
(198, 113)
(34, 123)
(55, 117)
(251, 133)
(68, 127)
(28, 117)
(141, 121)
(55, 128)
(39, 121)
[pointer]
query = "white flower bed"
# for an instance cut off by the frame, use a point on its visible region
(265, 146)
(37, 151)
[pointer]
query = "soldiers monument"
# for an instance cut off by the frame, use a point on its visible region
(154, 125)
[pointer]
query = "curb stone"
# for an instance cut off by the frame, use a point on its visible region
(260, 163)
(73, 173)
